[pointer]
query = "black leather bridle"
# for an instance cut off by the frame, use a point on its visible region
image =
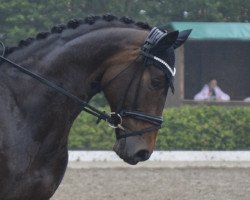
(151, 41)
(115, 119)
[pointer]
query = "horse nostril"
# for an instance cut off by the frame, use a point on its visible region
(142, 155)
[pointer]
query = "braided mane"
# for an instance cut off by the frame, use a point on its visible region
(73, 24)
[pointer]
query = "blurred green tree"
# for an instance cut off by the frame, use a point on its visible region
(24, 18)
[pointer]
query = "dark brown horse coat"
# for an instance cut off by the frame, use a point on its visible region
(35, 120)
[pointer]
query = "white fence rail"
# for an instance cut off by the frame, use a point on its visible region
(232, 156)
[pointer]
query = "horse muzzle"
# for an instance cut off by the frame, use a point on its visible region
(134, 149)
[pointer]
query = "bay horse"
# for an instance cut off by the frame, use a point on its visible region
(47, 81)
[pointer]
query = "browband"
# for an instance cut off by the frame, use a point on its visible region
(164, 66)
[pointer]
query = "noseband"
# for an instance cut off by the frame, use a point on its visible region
(115, 119)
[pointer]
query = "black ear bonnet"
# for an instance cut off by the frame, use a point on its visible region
(158, 51)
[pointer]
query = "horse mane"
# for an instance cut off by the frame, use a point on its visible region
(74, 24)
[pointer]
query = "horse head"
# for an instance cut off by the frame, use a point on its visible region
(136, 84)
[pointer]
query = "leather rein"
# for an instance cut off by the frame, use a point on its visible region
(114, 119)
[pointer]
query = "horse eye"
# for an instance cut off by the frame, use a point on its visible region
(156, 84)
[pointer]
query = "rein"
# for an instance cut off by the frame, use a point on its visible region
(115, 118)
(101, 115)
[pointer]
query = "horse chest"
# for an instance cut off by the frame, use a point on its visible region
(29, 169)
(37, 181)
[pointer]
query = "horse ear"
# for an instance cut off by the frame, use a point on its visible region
(166, 41)
(182, 37)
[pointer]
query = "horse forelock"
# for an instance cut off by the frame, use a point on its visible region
(76, 27)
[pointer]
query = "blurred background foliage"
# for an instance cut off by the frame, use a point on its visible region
(24, 18)
(184, 128)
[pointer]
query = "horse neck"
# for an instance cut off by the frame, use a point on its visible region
(85, 59)
(76, 66)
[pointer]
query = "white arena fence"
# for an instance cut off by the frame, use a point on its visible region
(232, 156)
